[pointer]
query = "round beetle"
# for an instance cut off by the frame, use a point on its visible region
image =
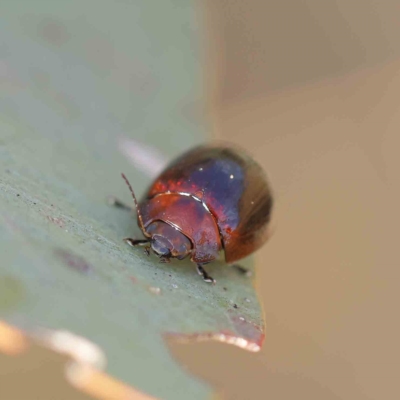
(210, 199)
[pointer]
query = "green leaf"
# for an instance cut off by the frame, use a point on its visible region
(79, 80)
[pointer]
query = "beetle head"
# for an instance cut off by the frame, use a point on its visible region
(161, 246)
(168, 242)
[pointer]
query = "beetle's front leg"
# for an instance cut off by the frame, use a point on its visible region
(202, 272)
(139, 242)
(136, 242)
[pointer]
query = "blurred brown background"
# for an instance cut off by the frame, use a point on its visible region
(312, 88)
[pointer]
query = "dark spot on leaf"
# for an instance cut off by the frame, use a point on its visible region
(225, 289)
(235, 306)
(54, 32)
(74, 261)
(18, 195)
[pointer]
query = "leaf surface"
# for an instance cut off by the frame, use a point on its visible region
(88, 88)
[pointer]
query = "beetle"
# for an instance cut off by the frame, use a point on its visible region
(212, 198)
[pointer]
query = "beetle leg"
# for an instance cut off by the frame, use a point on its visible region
(165, 260)
(242, 270)
(139, 242)
(202, 272)
(113, 201)
(136, 242)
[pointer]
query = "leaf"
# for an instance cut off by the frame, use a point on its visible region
(85, 85)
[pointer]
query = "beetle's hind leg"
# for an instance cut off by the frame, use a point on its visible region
(202, 272)
(242, 270)
(113, 201)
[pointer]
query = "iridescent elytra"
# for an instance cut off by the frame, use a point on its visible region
(212, 198)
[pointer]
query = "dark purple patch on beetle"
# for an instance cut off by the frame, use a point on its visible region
(73, 261)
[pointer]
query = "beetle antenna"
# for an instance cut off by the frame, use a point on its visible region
(139, 214)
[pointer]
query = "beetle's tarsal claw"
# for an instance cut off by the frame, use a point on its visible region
(146, 251)
(207, 278)
(129, 241)
(242, 270)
